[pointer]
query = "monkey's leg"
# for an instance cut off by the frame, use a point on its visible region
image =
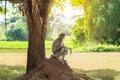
(63, 60)
(58, 54)
(65, 52)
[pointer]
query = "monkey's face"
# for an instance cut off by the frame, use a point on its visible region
(62, 37)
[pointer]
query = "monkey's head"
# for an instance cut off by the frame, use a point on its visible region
(62, 35)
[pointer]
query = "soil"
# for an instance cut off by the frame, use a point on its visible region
(52, 69)
(84, 61)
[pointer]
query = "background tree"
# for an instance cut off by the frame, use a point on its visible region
(78, 32)
(16, 30)
(101, 21)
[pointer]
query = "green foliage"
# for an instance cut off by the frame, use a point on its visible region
(97, 47)
(77, 2)
(1, 9)
(49, 33)
(60, 4)
(78, 32)
(101, 22)
(14, 19)
(2, 35)
(10, 72)
(17, 30)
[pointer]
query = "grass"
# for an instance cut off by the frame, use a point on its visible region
(10, 72)
(13, 44)
(21, 46)
(102, 74)
(87, 47)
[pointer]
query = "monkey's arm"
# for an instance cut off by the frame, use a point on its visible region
(69, 49)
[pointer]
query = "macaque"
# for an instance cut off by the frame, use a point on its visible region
(59, 50)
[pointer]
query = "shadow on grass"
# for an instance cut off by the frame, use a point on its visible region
(101, 74)
(10, 72)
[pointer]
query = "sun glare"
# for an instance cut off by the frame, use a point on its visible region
(70, 12)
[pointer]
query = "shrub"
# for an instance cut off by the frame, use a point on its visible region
(92, 47)
(17, 31)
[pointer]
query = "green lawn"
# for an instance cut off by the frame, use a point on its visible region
(90, 47)
(24, 44)
(13, 44)
(21, 46)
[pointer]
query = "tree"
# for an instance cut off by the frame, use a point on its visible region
(16, 30)
(37, 12)
(101, 21)
(78, 32)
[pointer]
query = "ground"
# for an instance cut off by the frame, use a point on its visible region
(85, 61)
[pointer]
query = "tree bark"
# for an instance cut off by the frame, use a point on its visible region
(15, 1)
(36, 13)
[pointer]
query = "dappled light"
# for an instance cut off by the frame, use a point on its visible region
(91, 28)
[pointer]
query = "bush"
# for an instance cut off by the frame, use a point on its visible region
(17, 31)
(92, 47)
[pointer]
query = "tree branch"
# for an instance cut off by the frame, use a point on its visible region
(15, 1)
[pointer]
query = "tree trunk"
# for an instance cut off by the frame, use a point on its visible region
(36, 13)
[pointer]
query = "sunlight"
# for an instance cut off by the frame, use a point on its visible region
(1, 18)
(70, 13)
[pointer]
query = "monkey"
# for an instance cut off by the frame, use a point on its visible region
(59, 49)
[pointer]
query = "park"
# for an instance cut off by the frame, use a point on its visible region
(28, 29)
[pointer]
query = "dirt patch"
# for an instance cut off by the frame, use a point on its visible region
(53, 69)
(85, 61)
(13, 59)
